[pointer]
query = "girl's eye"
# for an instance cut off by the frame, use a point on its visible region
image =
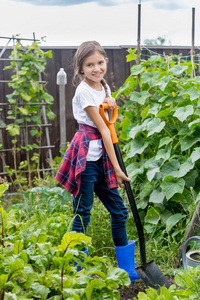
(89, 65)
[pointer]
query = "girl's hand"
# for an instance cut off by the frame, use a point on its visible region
(111, 102)
(121, 177)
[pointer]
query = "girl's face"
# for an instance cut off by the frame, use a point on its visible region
(94, 68)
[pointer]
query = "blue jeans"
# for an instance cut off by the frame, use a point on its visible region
(93, 180)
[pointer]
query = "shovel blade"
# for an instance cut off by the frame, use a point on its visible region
(152, 276)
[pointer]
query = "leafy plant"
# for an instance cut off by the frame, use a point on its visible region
(160, 133)
(25, 111)
(188, 288)
(38, 253)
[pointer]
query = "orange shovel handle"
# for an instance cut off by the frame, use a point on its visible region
(109, 123)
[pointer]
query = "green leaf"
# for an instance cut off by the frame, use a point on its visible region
(164, 81)
(140, 97)
(18, 246)
(183, 112)
(165, 141)
(136, 69)
(185, 168)
(13, 129)
(152, 216)
(3, 187)
(125, 87)
(195, 154)
(192, 92)
(155, 126)
(194, 124)
(154, 109)
(48, 98)
(26, 97)
(164, 113)
(150, 77)
(135, 130)
(71, 239)
(173, 220)
(153, 169)
(11, 296)
(40, 291)
(164, 154)
(170, 168)
(134, 169)
(171, 186)
(50, 114)
(188, 142)
(157, 196)
(144, 113)
(24, 111)
(33, 132)
(177, 70)
(137, 147)
(35, 85)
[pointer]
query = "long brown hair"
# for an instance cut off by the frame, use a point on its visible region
(84, 50)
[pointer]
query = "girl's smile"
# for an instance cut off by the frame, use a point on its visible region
(94, 68)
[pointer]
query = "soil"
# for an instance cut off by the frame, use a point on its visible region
(131, 291)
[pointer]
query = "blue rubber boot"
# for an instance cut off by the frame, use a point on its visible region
(85, 250)
(126, 259)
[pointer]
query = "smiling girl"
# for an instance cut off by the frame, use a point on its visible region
(90, 164)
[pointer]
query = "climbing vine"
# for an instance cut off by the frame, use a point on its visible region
(27, 104)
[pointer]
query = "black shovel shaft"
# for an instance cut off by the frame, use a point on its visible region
(133, 208)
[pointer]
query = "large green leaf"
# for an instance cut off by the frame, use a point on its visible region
(154, 109)
(40, 291)
(135, 130)
(172, 185)
(140, 97)
(165, 141)
(162, 83)
(183, 112)
(153, 169)
(145, 112)
(194, 124)
(3, 187)
(152, 216)
(157, 196)
(164, 154)
(134, 169)
(155, 126)
(136, 69)
(150, 77)
(195, 154)
(188, 142)
(192, 92)
(137, 147)
(164, 113)
(71, 239)
(173, 220)
(185, 167)
(13, 129)
(177, 70)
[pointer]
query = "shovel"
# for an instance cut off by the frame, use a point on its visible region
(148, 272)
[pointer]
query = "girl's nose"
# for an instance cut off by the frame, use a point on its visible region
(96, 68)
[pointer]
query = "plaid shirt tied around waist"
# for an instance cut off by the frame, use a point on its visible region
(74, 161)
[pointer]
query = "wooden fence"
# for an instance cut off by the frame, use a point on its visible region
(118, 71)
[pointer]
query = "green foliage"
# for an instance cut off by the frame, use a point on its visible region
(160, 132)
(188, 288)
(24, 117)
(38, 252)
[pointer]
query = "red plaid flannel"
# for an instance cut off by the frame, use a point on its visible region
(74, 161)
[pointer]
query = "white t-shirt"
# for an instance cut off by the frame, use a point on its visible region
(86, 96)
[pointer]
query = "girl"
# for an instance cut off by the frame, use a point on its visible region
(90, 164)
